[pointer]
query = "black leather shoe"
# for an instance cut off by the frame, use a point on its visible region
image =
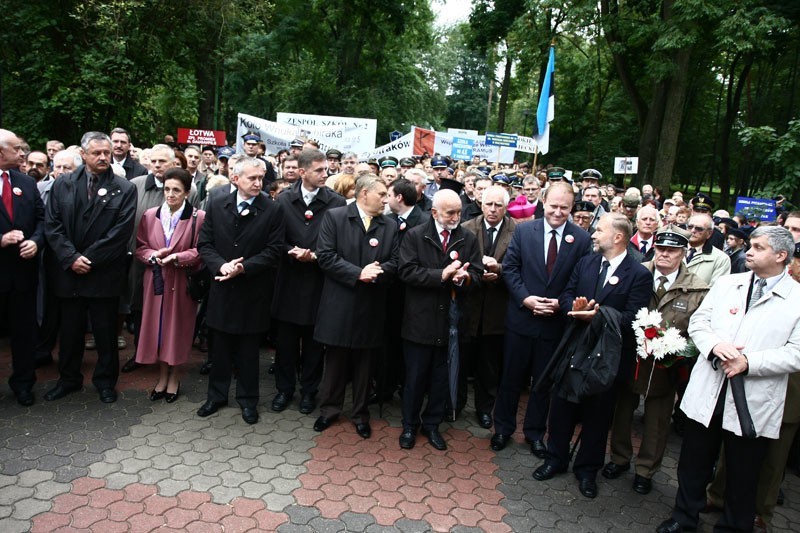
(156, 395)
(130, 365)
(435, 438)
(58, 392)
(171, 397)
(671, 526)
(206, 368)
(209, 408)
(484, 420)
(538, 448)
(408, 438)
(25, 398)
(281, 401)
(500, 441)
(307, 404)
(324, 423)
(545, 472)
(613, 470)
(588, 487)
(642, 485)
(364, 430)
(250, 415)
(107, 395)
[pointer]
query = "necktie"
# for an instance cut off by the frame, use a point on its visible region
(689, 256)
(400, 221)
(552, 252)
(7, 192)
(367, 221)
(91, 187)
(601, 279)
(308, 199)
(758, 292)
(643, 249)
(242, 206)
(661, 290)
(488, 248)
(445, 235)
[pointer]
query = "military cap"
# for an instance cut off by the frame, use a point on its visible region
(225, 152)
(702, 201)
(373, 161)
(556, 173)
(631, 200)
(296, 143)
(439, 162)
(517, 183)
(251, 136)
(451, 184)
(486, 170)
(407, 162)
(209, 148)
(502, 179)
(333, 153)
(591, 174)
(388, 161)
(582, 205)
(737, 232)
(672, 236)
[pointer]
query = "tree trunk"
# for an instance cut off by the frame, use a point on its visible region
(648, 138)
(731, 112)
(667, 150)
(506, 86)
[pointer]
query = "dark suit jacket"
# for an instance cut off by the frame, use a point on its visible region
(487, 306)
(17, 273)
(525, 274)
(627, 294)
(416, 217)
(351, 312)
(133, 169)
(240, 305)
(299, 285)
(427, 304)
(99, 230)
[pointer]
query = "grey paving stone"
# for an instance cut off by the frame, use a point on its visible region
(69, 473)
(30, 478)
(282, 485)
(324, 525)
(171, 487)
(278, 502)
(225, 495)
(120, 480)
(357, 521)
(151, 476)
(14, 525)
(302, 515)
(203, 483)
(29, 507)
(11, 494)
(404, 524)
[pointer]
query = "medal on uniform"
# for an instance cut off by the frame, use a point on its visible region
(569, 239)
(102, 191)
(309, 214)
(373, 242)
(453, 255)
(17, 191)
(613, 280)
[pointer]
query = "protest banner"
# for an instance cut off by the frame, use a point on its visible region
(761, 208)
(201, 137)
(347, 134)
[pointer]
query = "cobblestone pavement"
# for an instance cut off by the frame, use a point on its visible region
(80, 465)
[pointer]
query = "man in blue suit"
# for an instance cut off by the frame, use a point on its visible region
(613, 278)
(536, 269)
(21, 238)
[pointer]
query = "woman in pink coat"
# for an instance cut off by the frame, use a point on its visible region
(165, 244)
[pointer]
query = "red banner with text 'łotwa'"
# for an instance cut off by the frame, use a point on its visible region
(202, 137)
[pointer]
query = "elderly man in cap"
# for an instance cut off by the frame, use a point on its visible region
(591, 193)
(703, 259)
(590, 177)
(296, 146)
(334, 157)
(582, 215)
(677, 293)
(388, 166)
(631, 202)
(702, 204)
(251, 149)
(406, 164)
(749, 326)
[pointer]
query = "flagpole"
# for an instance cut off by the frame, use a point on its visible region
(535, 156)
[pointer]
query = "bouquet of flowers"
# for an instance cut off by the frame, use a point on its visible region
(655, 340)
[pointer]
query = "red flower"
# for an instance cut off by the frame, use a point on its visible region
(651, 332)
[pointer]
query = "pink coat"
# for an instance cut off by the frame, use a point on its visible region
(173, 313)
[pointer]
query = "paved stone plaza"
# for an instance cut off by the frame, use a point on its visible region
(80, 465)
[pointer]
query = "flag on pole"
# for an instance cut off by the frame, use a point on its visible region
(547, 105)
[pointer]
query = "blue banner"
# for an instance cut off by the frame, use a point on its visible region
(761, 208)
(462, 148)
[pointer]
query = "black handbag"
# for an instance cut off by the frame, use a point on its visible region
(198, 282)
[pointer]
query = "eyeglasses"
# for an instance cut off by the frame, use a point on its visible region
(582, 217)
(692, 227)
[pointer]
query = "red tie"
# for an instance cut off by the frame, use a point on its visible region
(552, 252)
(445, 235)
(7, 192)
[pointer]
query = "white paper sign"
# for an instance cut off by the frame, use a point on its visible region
(626, 165)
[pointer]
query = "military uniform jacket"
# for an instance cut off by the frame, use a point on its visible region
(351, 312)
(427, 305)
(487, 306)
(99, 229)
(240, 305)
(299, 285)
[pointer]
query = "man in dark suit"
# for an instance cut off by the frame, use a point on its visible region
(299, 283)
(439, 262)
(357, 250)
(240, 243)
(487, 305)
(21, 238)
(89, 220)
(536, 268)
(611, 277)
(121, 147)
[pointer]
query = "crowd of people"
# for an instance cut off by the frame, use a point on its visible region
(405, 277)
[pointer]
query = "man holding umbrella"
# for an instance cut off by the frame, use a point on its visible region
(748, 328)
(438, 261)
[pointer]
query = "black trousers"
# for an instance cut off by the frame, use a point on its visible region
(595, 414)
(524, 358)
(47, 336)
(103, 314)
(295, 345)
(341, 366)
(426, 373)
(743, 460)
(234, 349)
(18, 312)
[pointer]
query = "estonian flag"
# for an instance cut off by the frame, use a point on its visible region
(547, 105)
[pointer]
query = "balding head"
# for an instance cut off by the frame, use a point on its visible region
(12, 154)
(446, 209)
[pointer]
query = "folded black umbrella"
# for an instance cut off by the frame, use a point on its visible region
(736, 384)
(158, 280)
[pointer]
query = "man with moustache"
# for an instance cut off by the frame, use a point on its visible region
(120, 147)
(21, 238)
(38, 165)
(299, 282)
(89, 222)
(536, 269)
(240, 243)
(439, 262)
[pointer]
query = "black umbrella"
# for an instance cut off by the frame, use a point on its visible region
(740, 401)
(453, 355)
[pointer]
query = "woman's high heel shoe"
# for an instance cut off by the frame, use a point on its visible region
(170, 397)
